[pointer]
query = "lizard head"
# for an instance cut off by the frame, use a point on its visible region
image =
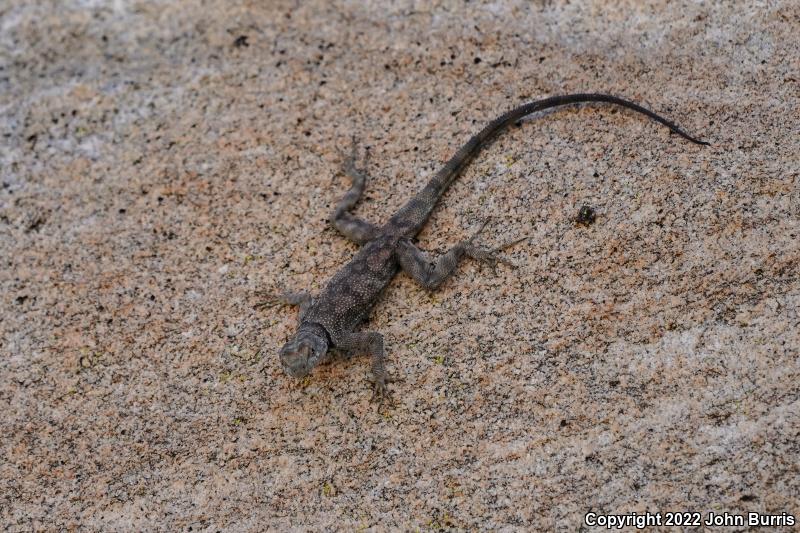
(304, 351)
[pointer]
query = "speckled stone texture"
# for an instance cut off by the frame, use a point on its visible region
(163, 162)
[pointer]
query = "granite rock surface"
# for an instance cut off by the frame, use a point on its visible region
(166, 164)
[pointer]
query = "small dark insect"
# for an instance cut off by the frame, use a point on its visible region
(36, 222)
(241, 41)
(586, 215)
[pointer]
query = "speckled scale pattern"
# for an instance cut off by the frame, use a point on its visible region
(352, 292)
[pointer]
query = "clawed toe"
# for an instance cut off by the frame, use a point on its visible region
(496, 258)
(380, 391)
(269, 300)
(349, 154)
(350, 157)
(491, 255)
(486, 255)
(479, 230)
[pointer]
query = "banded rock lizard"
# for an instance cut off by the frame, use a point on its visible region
(330, 320)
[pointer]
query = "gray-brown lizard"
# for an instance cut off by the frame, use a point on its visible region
(330, 320)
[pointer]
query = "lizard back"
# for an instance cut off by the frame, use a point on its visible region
(350, 295)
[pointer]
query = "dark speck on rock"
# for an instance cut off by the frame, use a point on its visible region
(241, 42)
(586, 215)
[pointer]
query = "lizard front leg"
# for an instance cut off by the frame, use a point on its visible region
(371, 343)
(355, 229)
(299, 298)
(431, 274)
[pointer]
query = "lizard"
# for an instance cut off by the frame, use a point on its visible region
(330, 320)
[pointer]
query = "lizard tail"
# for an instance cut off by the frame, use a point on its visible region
(414, 214)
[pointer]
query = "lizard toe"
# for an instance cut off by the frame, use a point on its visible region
(380, 391)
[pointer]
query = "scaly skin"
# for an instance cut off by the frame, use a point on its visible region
(330, 319)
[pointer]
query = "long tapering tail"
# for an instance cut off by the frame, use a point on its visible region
(413, 215)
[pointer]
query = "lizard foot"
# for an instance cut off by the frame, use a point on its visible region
(349, 161)
(380, 391)
(268, 300)
(489, 255)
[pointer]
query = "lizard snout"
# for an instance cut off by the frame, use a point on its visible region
(305, 350)
(294, 359)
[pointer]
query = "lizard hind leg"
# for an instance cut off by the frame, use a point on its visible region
(432, 273)
(355, 229)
